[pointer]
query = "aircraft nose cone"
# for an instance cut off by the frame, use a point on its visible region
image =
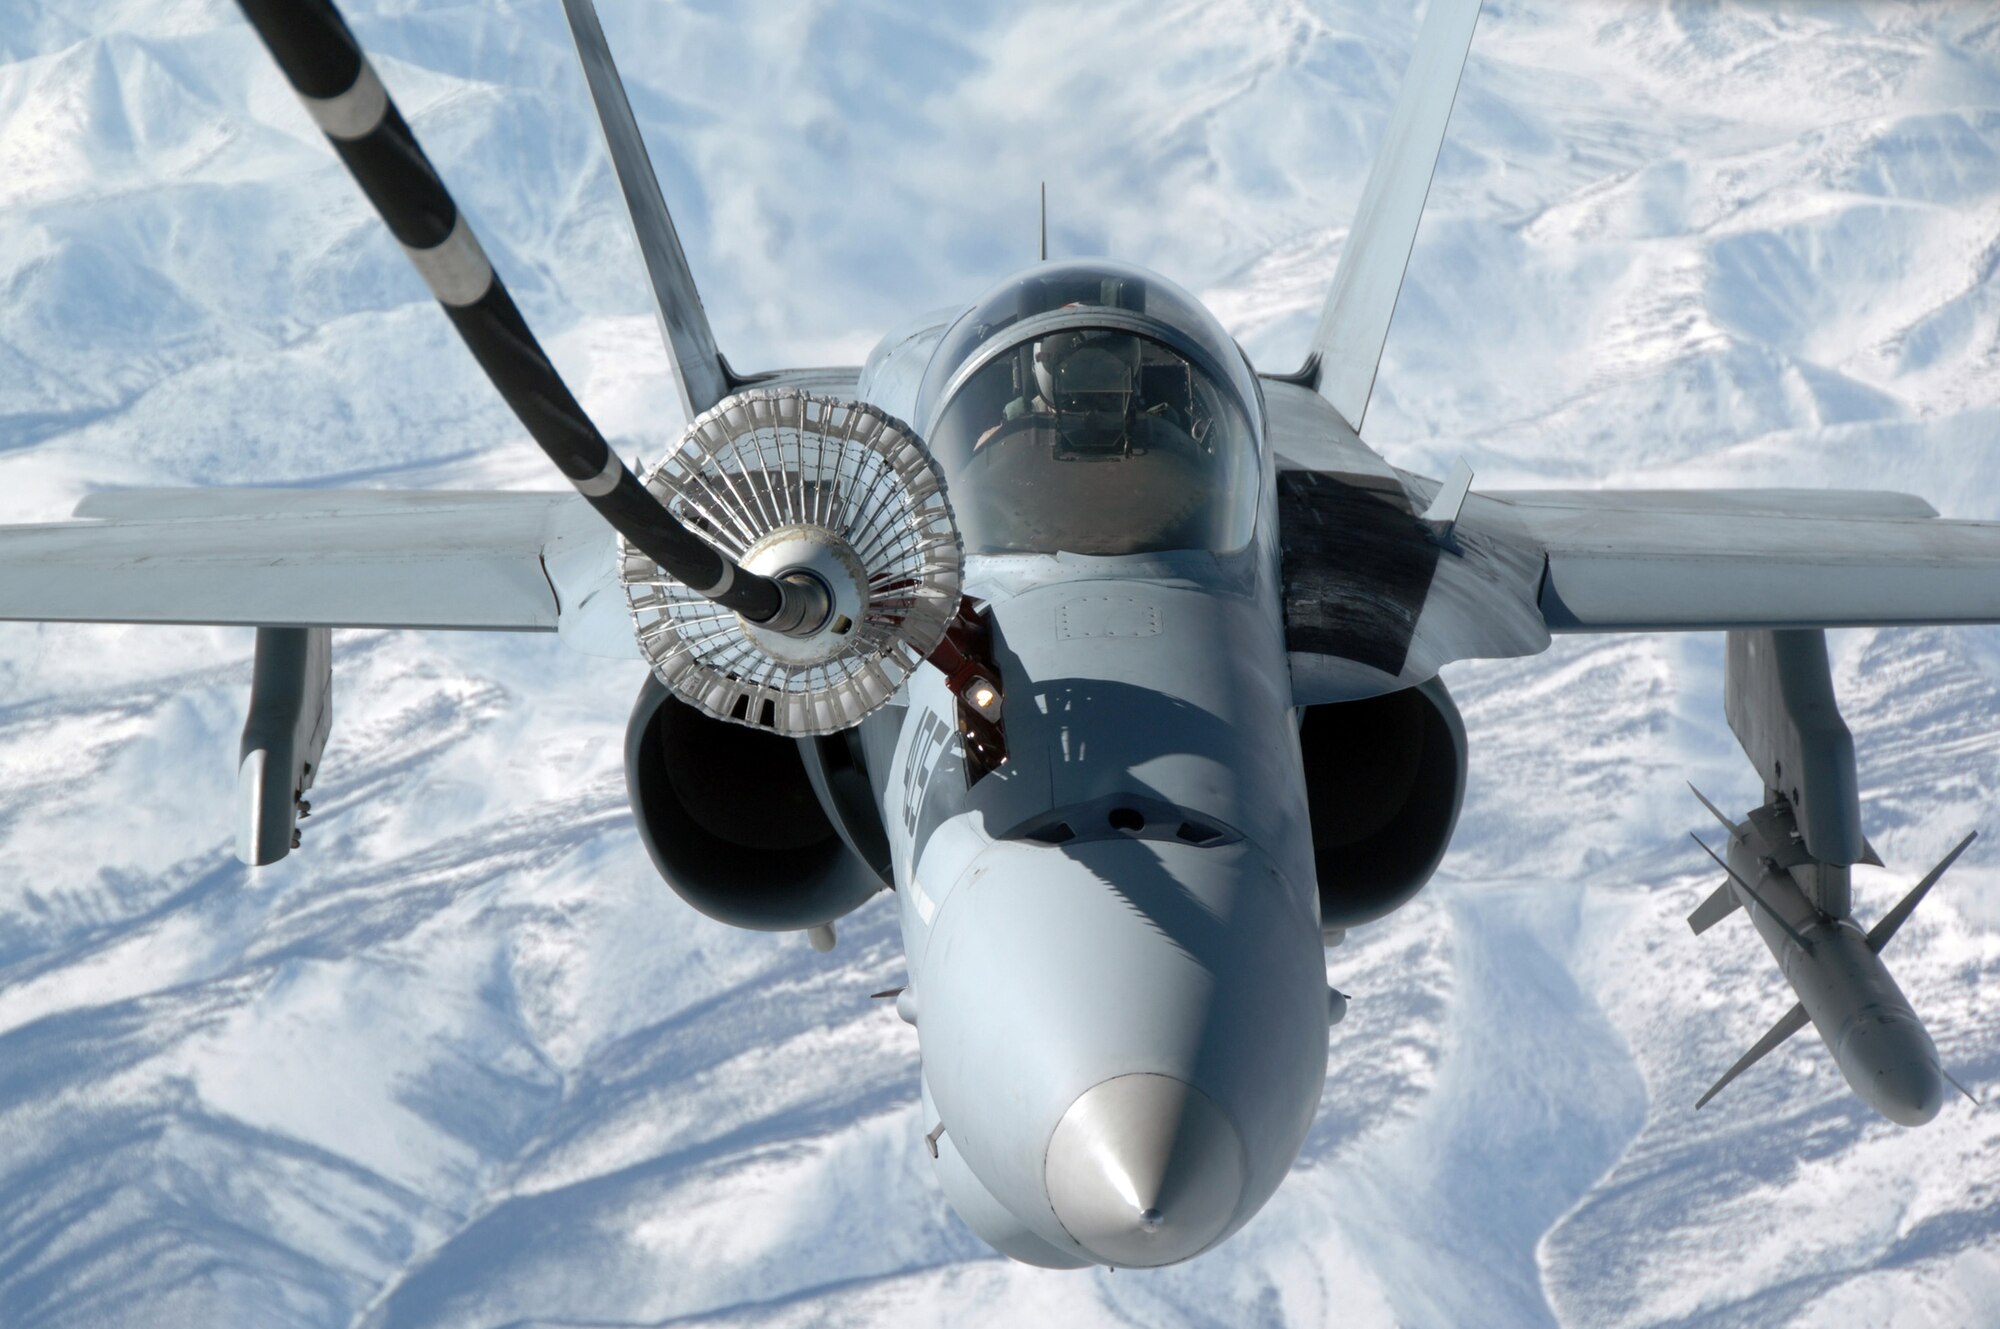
(1144, 1170)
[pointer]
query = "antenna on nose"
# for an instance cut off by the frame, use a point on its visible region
(1045, 221)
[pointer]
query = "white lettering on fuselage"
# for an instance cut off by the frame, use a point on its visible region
(929, 745)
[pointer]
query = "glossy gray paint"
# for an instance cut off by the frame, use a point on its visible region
(1177, 939)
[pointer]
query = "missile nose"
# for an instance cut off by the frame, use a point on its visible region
(1909, 1093)
(1144, 1170)
(1893, 1064)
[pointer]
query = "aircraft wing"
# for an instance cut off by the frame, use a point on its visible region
(310, 558)
(1379, 594)
(1709, 561)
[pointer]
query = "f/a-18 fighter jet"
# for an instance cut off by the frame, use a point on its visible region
(1114, 658)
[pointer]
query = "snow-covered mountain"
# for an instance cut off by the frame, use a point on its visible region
(464, 1061)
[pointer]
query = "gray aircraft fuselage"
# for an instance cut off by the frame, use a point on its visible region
(1115, 962)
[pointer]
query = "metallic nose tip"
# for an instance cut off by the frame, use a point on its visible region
(1145, 1170)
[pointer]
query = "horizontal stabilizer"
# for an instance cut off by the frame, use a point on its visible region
(1788, 1024)
(1718, 906)
(1878, 936)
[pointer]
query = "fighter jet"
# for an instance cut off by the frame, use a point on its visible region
(1114, 658)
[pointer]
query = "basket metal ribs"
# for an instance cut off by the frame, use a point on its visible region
(792, 484)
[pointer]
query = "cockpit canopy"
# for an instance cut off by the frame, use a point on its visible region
(1093, 408)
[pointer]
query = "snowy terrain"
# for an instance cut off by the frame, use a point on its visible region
(464, 1061)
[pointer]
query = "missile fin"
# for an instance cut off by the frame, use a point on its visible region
(1961, 1088)
(1718, 906)
(1788, 1024)
(1755, 898)
(1729, 825)
(1878, 936)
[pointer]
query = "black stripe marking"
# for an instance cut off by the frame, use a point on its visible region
(391, 168)
(1357, 569)
(310, 42)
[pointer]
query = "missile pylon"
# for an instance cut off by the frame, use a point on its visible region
(1788, 865)
(1845, 990)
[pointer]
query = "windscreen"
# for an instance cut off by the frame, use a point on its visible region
(1096, 441)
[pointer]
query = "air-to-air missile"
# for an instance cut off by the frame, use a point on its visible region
(1788, 866)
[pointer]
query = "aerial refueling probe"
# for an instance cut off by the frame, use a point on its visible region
(325, 66)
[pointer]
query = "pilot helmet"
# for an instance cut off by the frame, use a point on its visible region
(1088, 380)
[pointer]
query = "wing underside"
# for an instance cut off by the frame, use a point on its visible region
(296, 558)
(1618, 569)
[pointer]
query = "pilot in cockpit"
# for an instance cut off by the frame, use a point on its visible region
(1099, 435)
(1088, 388)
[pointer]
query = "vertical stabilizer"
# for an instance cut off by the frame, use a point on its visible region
(699, 370)
(1347, 346)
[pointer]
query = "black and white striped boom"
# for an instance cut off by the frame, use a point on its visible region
(325, 66)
